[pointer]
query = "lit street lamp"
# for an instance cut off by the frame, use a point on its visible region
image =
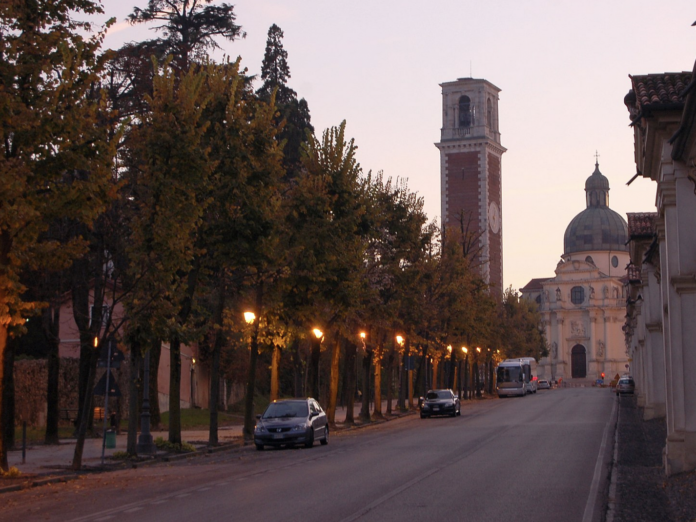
(249, 417)
(314, 362)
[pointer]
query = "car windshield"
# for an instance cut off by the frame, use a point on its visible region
(286, 410)
(443, 394)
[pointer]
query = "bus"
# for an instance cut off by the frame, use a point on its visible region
(510, 379)
(529, 365)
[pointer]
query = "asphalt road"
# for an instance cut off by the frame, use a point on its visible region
(541, 457)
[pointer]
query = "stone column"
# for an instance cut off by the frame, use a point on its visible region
(654, 349)
(677, 208)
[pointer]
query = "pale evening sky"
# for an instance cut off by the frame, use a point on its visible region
(562, 66)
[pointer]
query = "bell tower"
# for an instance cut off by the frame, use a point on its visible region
(471, 172)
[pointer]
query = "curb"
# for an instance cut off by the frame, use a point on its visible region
(32, 483)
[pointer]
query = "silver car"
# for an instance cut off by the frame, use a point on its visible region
(625, 385)
(291, 422)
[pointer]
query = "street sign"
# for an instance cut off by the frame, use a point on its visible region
(100, 388)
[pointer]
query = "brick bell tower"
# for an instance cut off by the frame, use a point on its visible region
(470, 171)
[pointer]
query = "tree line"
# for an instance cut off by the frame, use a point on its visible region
(156, 178)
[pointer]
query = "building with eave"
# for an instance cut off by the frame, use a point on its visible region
(660, 324)
(582, 307)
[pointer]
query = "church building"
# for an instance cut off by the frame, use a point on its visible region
(471, 172)
(583, 306)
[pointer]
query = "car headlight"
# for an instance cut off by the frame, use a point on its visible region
(300, 427)
(259, 429)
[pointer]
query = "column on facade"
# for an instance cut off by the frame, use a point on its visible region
(562, 370)
(651, 314)
(592, 349)
(677, 206)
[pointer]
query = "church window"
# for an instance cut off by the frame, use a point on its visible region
(465, 119)
(614, 261)
(589, 259)
(577, 295)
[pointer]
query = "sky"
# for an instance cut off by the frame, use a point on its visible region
(562, 66)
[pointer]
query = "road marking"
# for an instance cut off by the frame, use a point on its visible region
(133, 510)
(158, 502)
(182, 495)
(594, 489)
(202, 489)
(105, 518)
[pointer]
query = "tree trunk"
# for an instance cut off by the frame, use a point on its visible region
(367, 363)
(51, 327)
(3, 409)
(134, 385)
(378, 384)
(349, 382)
(175, 390)
(390, 380)
(215, 369)
(7, 422)
(86, 409)
(296, 368)
(155, 353)
(436, 375)
(333, 385)
(275, 379)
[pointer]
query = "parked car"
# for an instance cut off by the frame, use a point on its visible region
(625, 385)
(440, 402)
(543, 384)
(291, 422)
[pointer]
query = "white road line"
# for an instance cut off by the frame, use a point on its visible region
(594, 489)
(133, 510)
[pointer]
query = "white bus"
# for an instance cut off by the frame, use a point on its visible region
(529, 365)
(510, 379)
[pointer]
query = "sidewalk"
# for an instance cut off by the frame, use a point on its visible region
(44, 459)
(640, 489)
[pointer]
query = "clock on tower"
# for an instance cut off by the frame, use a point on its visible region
(470, 171)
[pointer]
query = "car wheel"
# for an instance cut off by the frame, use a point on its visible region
(325, 440)
(259, 447)
(310, 440)
(424, 416)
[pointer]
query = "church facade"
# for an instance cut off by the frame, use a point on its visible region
(471, 172)
(583, 306)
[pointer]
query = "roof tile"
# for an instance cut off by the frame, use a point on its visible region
(660, 89)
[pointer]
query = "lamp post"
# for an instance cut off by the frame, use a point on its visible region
(451, 372)
(477, 372)
(145, 444)
(403, 370)
(465, 374)
(249, 417)
(316, 339)
(366, 363)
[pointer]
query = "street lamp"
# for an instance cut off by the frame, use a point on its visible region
(465, 350)
(249, 317)
(249, 417)
(400, 340)
(314, 362)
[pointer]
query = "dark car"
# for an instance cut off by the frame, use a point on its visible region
(625, 385)
(440, 402)
(291, 422)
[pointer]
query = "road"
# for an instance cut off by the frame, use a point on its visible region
(543, 456)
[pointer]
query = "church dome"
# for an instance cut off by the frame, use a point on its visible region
(597, 227)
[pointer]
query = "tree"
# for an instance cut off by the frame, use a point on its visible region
(170, 173)
(55, 160)
(292, 113)
(189, 28)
